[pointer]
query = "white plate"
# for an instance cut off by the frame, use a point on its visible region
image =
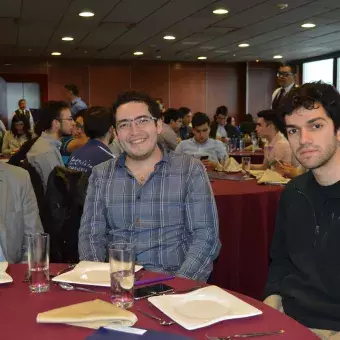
(89, 273)
(203, 307)
(4, 277)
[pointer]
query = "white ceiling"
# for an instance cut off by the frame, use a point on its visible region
(120, 27)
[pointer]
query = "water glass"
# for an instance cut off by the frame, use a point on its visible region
(246, 165)
(39, 262)
(122, 273)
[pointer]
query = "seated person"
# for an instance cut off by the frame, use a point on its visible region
(304, 276)
(248, 126)
(160, 201)
(17, 136)
(77, 139)
(170, 137)
(185, 130)
(231, 128)
(201, 144)
(218, 130)
(98, 127)
(19, 215)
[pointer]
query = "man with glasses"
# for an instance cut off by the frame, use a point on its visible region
(286, 78)
(55, 119)
(157, 200)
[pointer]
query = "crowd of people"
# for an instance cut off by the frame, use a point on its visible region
(148, 185)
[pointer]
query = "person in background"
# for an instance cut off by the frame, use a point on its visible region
(23, 111)
(76, 139)
(160, 102)
(248, 126)
(304, 276)
(98, 126)
(185, 130)
(169, 137)
(201, 145)
(286, 78)
(217, 130)
(159, 201)
(19, 215)
(17, 136)
(55, 120)
(72, 96)
(3, 130)
(231, 128)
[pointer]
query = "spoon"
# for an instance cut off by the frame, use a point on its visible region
(161, 321)
(68, 286)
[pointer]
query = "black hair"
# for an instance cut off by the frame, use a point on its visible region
(271, 117)
(49, 112)
(21, 118)
(309, 95)
(97, 122)
(136, 97)
(184, 110)
(229, 119)
(172, 114)
(80, 113)
(21, 100)
(248, 117)
(199, 119)
(73, 88)
(293, 68)
(222, 110)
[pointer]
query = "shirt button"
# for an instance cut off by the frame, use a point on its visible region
(137, 220)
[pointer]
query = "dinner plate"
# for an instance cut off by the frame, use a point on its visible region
(89, 273)
(4, 277)
(203, 307)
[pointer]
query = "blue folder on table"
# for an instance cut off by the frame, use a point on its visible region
(106, 334)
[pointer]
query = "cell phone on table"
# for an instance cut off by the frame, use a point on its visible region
(203, 158)
(148, 291)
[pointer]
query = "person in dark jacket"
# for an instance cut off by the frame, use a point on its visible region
(217, 129)
(304, 275)
(231, 128)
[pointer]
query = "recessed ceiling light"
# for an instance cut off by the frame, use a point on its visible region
(308, 25)
(220, 11)
(138, 53)
(86, 14)
(282, 6)
(202, 58)
(56, 53)
(234, 55)
(257, 60)
(278, 56)
(243, 45)
(169, 37)
(8, 64)
(158, 56)
(67, 38)
(85, 52)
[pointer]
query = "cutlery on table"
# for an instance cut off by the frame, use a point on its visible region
(161, 321)
(244, 335)
(68, 286)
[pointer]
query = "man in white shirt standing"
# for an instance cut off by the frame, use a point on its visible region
(286, 78)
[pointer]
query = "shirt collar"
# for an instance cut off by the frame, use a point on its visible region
(75, 100)
(276, 139)
(51, 140)
(289, 87)
(200, 144)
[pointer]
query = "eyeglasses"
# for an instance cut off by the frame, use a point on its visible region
(141, 121)
(284, 74)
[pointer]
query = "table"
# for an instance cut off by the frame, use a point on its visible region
(19, 309)
(256, 157)
(4, 159)
(247, 213)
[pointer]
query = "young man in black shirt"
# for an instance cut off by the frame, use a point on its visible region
(304, 275)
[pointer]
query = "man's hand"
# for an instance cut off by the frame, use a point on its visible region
(209, 165)
(287, 170)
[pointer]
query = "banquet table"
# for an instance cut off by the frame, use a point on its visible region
(256, 157)
(19, 309)
(247, 214)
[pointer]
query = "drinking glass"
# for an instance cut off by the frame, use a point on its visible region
(39, 262)
(122, 273)
(246, 165)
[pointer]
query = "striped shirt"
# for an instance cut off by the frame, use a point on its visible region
(171, 219)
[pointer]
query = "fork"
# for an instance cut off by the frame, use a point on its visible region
(245, 335)
(161, 321)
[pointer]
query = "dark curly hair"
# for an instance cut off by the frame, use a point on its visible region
(21, 118)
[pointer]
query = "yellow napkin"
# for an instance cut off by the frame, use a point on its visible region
(90, 314)
(219, 167)
(270, 176)
(231, 165)
(257, 173)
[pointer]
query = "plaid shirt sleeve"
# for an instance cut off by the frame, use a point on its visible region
(202, 225)
(92, 233)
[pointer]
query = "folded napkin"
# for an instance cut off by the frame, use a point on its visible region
(270, 176)
(257, 173)
(90, 314)
(219, 167)
(4, 277)
(231, 165)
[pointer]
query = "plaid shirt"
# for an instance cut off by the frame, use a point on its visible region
(171, 219)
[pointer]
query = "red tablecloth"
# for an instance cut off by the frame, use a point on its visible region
(247, 214)
(256, 157)
(19, 309)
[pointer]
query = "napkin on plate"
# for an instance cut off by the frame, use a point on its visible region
(231, 165)
(270, 176)
(219, 167)
(257, 173)
(91, 314)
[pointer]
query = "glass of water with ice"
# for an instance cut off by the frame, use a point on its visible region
(122, 272)
(39, 262)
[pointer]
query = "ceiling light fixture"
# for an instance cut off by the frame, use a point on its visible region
(243, 45)
(67, 38)
(138, 53)
(169, 37)
(220, 11)
(56, 53)
(257, 60)
(282, 6)
(278, 56)
(308, 25)
(201, 58)
(8, 64)
(86, 14)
